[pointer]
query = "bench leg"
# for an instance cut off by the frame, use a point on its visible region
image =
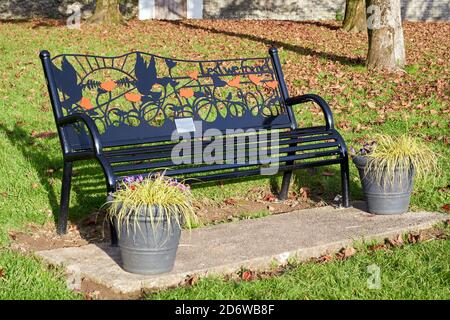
(65, 197)
(345, 183)
(285, 185)
(114, 239)
(112, 228)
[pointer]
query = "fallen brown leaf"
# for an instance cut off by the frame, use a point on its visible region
(45, 134)
(304, 192)
(446, 207)
(12, 235)
(371, 105)
(434, 112)
(247, 275)
(345, 125)
(395, 242)
(292, 195)
(2, 272)
(92, 295)
(230, 201)
(73, 227)
(191, 280)
(324, 258)
(415, 237)
(377, 247)
(270, 197)
(344, 253)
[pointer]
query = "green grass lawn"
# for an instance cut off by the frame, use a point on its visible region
(26, 278)
(420, 271)
(316, 58)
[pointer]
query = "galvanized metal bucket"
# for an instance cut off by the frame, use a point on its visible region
(148, 245)
(388, 196)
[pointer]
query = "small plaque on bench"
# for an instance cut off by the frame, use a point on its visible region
(185, 125)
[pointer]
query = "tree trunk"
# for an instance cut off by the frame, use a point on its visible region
(355, 16)
(107, 12)
(386, 44)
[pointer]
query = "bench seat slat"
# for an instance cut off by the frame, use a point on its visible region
(162, 151)
(315, 133)
(213, 167)
(248, 149)
(251, 172)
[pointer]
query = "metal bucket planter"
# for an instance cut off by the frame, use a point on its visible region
(383, 197)
(148, 247)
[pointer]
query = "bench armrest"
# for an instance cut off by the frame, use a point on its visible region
(319, 101)
(90, 124)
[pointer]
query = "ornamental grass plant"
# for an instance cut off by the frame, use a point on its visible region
(389, 154)
(158, 197)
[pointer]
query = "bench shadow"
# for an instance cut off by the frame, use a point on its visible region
(273, 182)
(277, 43)
(324, 184)
(88, 184)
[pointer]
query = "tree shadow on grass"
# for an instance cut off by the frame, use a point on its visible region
(320, 24)
(277, 43)
(88, 183)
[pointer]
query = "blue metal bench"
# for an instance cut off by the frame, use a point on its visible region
(123, 111)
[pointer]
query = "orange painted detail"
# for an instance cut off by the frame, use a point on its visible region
(108, 85)
(235, 82)
(186, 92)
(86, 104)
(193, 74)
(133, 97)
(254, 78)
(272, 84)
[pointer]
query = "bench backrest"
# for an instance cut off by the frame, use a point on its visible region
(138, 97)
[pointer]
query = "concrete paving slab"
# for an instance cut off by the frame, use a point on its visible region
(256, 244)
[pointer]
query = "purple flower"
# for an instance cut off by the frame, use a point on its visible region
(129, 180)
(366, 149)
(183, 187)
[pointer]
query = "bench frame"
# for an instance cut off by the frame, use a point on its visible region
(96, 151)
